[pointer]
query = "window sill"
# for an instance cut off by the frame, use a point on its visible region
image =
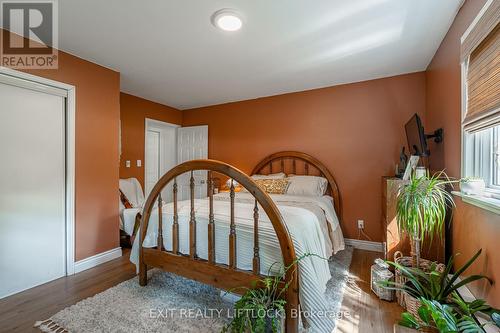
(489, 204)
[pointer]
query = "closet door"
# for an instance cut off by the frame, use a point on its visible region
(32, 188)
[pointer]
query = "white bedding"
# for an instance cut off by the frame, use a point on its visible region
(132, 189)
(306, 218)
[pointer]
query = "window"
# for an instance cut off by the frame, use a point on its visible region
(481, 99)
(483, 157)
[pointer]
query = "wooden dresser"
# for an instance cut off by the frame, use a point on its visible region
(392, 240)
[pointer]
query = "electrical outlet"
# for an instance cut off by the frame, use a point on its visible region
(127, 164)
(361, 224)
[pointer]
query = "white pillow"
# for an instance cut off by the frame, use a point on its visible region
(279, 175)
(307, 185)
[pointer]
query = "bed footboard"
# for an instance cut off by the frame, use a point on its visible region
(209, 271)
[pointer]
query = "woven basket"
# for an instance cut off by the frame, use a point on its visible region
(412, 306)
(425, 265)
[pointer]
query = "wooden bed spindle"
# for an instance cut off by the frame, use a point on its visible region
(160, 223)
(175, 224)
(192, 221)
(256, 258)
(232, 232)
(282, 163)
(294, 167)
(306, 167)
(211, 224)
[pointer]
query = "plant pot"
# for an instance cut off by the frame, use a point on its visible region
(472, 187)
(425, 265)
(412, 306)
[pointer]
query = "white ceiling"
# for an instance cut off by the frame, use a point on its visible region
(168, 51)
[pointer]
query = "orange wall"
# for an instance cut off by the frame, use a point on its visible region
(133, 112)
(356, 130)
(97, 116)
(473, 228)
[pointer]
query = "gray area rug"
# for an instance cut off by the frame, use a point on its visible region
(169, 303)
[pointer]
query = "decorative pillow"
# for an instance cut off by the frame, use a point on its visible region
(307, 185)
(273, 186)
(279, 175)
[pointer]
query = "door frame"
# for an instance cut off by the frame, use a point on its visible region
(38, 83)
(148, 122)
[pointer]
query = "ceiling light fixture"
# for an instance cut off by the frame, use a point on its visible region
(227, 20)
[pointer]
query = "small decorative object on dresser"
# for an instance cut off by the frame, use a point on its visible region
(401, 166)
(420, 172)
(412, 164)
(380, 272)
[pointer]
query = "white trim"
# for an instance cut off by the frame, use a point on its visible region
(151, 123)
(474, 23)
(70, 180)
(98, 259)
(365, 245)
(35, 79)
(463, 67)
(38, 83)
(486, 203)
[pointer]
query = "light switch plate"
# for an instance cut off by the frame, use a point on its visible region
(139, 163)
(127, 164)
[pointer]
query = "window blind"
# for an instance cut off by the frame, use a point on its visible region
(483, 72)
(483, 83)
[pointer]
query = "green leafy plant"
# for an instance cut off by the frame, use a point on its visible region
(442, 308)
(434, 285)
(469, 309)
(441, 317)
(421, 209)
(262, 307)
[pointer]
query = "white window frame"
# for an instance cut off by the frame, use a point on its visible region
(483, 163)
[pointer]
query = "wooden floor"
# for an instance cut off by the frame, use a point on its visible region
(18, 313)
(367, 314)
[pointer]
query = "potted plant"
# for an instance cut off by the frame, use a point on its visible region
(472, 186)
(261, 309)
(421, 209)
(458, 316)
(436, 286)
(433, 285)
(436, 317)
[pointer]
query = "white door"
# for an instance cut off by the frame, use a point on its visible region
(160, 156)
(152, 160)
(32, 188)
(192, 144)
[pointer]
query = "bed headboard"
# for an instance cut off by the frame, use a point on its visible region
(293, 162)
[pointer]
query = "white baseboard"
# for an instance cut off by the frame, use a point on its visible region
(365, 245)
(98, 259)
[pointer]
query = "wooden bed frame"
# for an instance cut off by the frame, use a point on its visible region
(208, 271)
